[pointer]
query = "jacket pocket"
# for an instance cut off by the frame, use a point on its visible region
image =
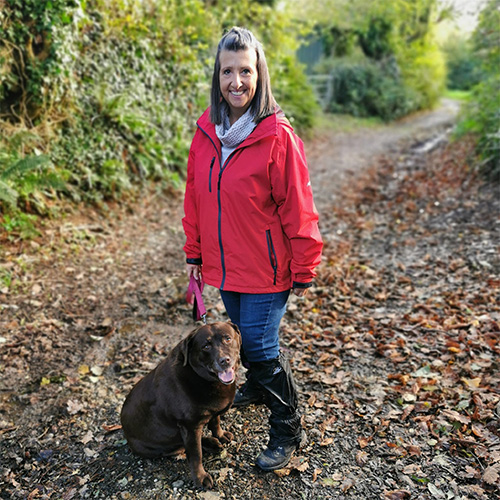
(272, 254)
(210, 175)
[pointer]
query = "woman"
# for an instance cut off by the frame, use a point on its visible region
(251, 226)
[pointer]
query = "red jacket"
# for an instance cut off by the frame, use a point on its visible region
(251, 221)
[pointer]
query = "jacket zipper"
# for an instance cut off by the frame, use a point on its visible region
(210, 175)
(272, 254)
(219, 222)
(219, 205)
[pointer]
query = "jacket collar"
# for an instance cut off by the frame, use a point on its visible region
(268, 127)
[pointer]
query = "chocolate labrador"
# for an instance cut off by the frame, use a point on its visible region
(194, 385)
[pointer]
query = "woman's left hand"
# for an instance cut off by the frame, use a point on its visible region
(300, 292)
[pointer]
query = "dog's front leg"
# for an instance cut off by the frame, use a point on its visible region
(217, 431)
(192, 444)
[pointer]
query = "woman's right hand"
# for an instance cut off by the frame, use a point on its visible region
(193, 270)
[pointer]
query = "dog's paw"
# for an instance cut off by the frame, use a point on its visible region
(226, 437)
(204, 481)
(211, 444)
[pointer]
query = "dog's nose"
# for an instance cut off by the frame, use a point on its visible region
(224, 361)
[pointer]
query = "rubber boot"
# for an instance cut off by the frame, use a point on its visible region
(250, 392)
(286, 434)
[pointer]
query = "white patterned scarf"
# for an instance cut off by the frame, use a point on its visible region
(233, 135)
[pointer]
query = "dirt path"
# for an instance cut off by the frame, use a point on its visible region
(336, 158)
(94, 304)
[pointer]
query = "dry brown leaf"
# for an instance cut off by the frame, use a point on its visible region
(397, 495)
(363, 442)
(361, 457)
(348, 483)
(316, 473)
(490, 474)
(326, 442)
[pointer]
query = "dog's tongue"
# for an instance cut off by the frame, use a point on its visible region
(226, 377)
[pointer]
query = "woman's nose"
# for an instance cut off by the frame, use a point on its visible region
(236, 81)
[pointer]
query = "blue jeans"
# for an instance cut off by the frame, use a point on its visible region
(258, 316)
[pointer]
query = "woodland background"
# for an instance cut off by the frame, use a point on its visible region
(99, 97)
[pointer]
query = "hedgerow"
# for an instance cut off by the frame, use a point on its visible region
(109, 90)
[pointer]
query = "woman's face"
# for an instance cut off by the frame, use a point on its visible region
(238, 80)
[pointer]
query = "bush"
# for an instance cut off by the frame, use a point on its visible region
(113, 88)
(481, 115)
(368, 88)
(463, 67)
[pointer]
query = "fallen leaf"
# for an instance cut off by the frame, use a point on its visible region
(83, 370)
(347, 484)
(326, 442)
(316, 473)
(361, 457)
(490, 474)
(472, 383)
(223, 473)
(363, 442)
(397, 495)
(435, 491)
(74, 407)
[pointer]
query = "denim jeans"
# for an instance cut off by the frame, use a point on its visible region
(258, 316)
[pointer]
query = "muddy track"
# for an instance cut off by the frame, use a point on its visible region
(98, 301)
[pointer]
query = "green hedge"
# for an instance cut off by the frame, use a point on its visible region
(368, 88)
(108, 91)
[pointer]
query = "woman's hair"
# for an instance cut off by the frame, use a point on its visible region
(263, 103)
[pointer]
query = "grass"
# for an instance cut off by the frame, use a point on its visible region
(459, 95)
(343, 123)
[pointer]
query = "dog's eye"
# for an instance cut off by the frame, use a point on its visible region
(207, 347)
(227, 340)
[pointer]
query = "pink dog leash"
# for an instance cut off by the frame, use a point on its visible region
(193, 296)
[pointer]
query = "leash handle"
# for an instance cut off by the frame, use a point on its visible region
(193, 296)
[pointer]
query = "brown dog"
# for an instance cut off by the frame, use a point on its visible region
(166, 410)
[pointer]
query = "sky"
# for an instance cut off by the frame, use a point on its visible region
(466, 12)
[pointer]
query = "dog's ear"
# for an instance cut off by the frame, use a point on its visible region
(237, 330)
(185, 345)
(235, 327)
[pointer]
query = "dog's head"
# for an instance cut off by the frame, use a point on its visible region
(213, 351)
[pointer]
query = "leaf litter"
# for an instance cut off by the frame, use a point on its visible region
(395, 350)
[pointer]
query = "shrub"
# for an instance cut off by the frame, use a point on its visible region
(113, 88)
(368, 88)
(481, 115)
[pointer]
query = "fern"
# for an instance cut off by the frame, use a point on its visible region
(23, 165)
(7, 194)
(13, 180)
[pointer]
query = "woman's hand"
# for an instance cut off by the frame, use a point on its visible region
(301, 292)
(193, 270)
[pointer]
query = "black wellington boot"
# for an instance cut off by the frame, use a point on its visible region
(286, 434)
(250, 392)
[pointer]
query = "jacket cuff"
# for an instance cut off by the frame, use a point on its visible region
(196, 262)
(296, 284)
